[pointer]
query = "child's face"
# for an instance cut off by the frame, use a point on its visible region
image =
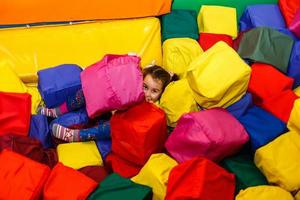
(152, 88)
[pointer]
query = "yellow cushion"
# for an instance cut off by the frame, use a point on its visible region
(297, 197)
(79, 154)
(9, 80)
(155, 174)
(27, 50)
(178, 53)
(218, 20)
(279, 161)
(218, 77)
(264, 192)
(297, 91)
(176, 100)
(35, 98)
(294, 120)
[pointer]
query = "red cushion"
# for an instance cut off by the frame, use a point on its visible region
(200, 178)
(21, 177)
(207, 40)
(15, 112)
(281, 106)
(288, 9)
(122, 167)
(267, 82)
(28, 147)
(67, 183)
(138, 132)
(97, 173)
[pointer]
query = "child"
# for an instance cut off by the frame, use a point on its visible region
(155, 81)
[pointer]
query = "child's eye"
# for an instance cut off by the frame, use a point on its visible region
(155, 91)
(145, 87)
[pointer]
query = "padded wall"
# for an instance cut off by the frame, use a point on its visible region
(32, 11)
(28, 50)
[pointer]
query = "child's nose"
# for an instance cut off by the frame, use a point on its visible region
(147, 93)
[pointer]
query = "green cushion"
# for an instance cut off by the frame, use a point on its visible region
(115, 187)
(267, 45)
(240, 5)
(246, 173)
(180, 24)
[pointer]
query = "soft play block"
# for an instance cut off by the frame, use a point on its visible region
(267, 45)
(30, 148)
(97, 173)
(297, 197)
(178, 53)
(279, 161)
(104, 147)
(218, 77)
(9, 81)
(113, 83)
(262, 127)
(245, 171)
(200, 178)
(238, 4)
(180, 24)
(241, 106)
(267, 82)
(75, 119)
(57, 11)
(67, 183)
(212, 133)
(39, 129)
(289, 9)
(79, 154)
(155, 174)
(35, 98)
(218, 20)
(207, 40)
(21, 177)
(176, 100)
(15, 113)
(265, 192)
(115, 187)
(293, 123)
(260, 15)
(295, 24)
(297, 91)
(82, 44)
(281, 106)
(121, 166)
(294, 63)
(135, 137)
(56, 84)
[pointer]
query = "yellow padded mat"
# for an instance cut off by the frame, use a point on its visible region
(27, 50)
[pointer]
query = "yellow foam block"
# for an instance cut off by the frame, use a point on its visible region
(218, 20)
(218, 77)
(79, 154)
(294, 120)
(176, 100)
(155, 174)
(35, 98)
(264, 192)
(178, 53)
(27, 50)
(9, 80)
(297, 197)
(279, 161)
(297, 91)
